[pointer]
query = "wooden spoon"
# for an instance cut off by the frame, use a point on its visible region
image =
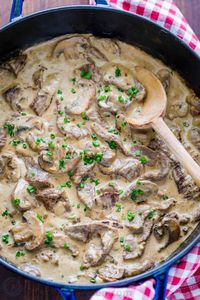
(152, 113)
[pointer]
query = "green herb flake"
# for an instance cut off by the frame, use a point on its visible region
(66, 120)
(130, 216)
(132, 92)
(73, 80)
(19, 253)
(61, 164)
(84, 116)
(138, 152)
(23, 113)
(143, 160)
(16, 202)
(98, 156)
(112, 144)
(66, 246)
(64, 146)
(121, 240)
(13, 222)
(96, 144)
(9, 128)
(121, 99)
(15, 143)
(101, 98)
(95, 181)
(85, 74)
(82, 267)
(93, 280)
(49, 237)
(30, 189)
(49, 153)
(38, 141)
(165, 197)
(52, 136)
(68, 155)
(107, 89)
(78, 205)
(70, 173)
(135, 193)
(117, 72)
(118, 207)
(81, 185)
(85, 208)
(5, 238)
(5, 213)
(40, 218)
(151, 214)
(73, 91)
(128, 248)
(84, 178)
(94, 136)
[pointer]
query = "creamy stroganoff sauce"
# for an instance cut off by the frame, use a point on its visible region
(84, 197)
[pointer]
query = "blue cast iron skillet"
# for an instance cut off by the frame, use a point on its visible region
(127, 27)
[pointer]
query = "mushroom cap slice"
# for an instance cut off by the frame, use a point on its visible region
(20, 192)
(73, 48)
(37, 228)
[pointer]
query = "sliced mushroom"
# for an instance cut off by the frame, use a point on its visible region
(32, 232)
(177, 109)
(111, 272)
(17, 63)
(194, 103)
(139, 268)
(165, 76)
(81, 170)
(33, 270)
(11, 167)
(169, 230)
(105, 46)
(194, 136)
(3, 138)
(41, 102)
(38, 77)
(13, 97)
(25, 199)
(74, 48)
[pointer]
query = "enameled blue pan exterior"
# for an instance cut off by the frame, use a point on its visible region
(136, 30)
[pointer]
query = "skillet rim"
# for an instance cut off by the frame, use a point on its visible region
(162, 266)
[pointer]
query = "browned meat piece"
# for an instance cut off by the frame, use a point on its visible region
(11, 167)
(139, 191)
(196, 215)
(162, 172)
(133, 270)
(158, 145)
(41, 103)
(194, 136)
(185, 184)
(109, 137)
(165, 76)
(3, 138)
(60, 240)
(96, 254)
(87, 194)
(83, 231)
(48, 255)
(194, 103)
(93, 115)
(17, 63)
(51, 196)
(24, 200)
(167, 231)
(152, 156)
(36, 176)
(89, 68)
(136, 226)
(107, 197)
(148, 226)
(32, 232)
(38, 77)
(82, 170)
(165, 205)
(13, 97)
(58, 162)
(128, 168)
(132, 249)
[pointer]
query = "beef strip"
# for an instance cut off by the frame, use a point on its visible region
(41, 102)
(87, 194)
(50, 196)
(3, 138)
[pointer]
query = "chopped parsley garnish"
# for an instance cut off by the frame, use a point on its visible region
(130, 216)
(68, 155)
(5, 238)
(64, 146)
(49, 237)
(124, 124)
(61, 164)
(78, 125)
(5, 213)
(121, 99)
(61, 113)
(73, 80)
(82, 267)
(107, 89)
(118, 207)
(95, 181)
(31, 189)
(38, 141)
(121, 240)
(78, 205)
(143, 160)
(66, 246)
(117, 72)
(16, 202)
(73, 91)
(138, 152)
(85, 74)
(19, 253)
(93, 280)
(128, 248)
(120, 89)
(60, 95)
(84, 116)
(186, 124)
(49, 153)
(165, 197)
(135, 193)
(51, 145)
(113, 130)
(89, 159)
(13, 222)
(120, 192)
(15, 143)
(112, 144)
(132, 92)
(66, 120)
(101, 98)
(96, 144)
(9, 128)
(81, 185)
(85, 208)
(66, 184)
(23, 113)
(70, 173)
(40, 218)
(151, 214)
(84, 178)
(94, 136)
(111, 184)
(98, 156)
(52, 136)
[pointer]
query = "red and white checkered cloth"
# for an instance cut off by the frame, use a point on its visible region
(184, 277)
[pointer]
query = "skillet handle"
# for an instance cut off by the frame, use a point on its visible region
(66, 294)
(161, 285)
(101, 2)
(16, 10)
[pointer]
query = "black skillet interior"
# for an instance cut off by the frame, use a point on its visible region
(111, 23)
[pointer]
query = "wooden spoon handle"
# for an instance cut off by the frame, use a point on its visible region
(177, 149)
